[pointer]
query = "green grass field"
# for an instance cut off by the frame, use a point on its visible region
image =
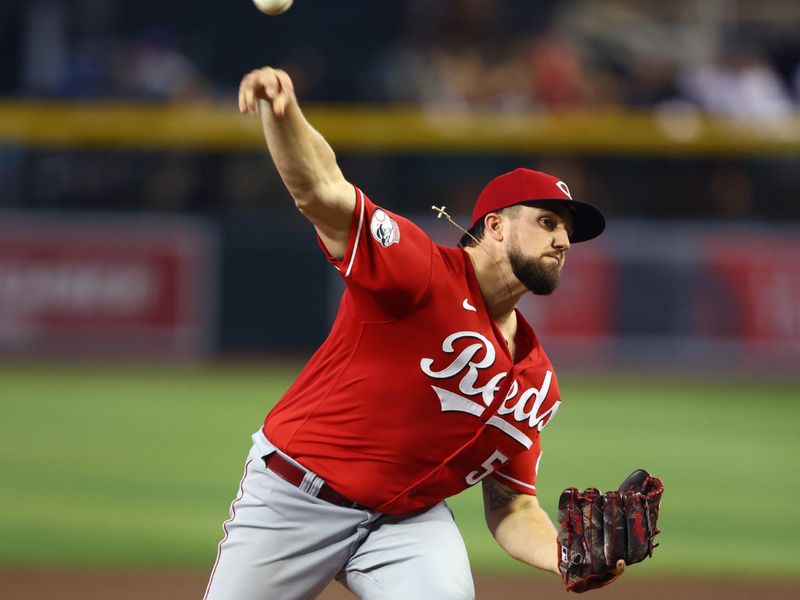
(136, 466)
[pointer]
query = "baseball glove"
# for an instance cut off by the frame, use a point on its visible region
(596, 530)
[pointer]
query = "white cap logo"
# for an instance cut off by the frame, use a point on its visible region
(563, 187)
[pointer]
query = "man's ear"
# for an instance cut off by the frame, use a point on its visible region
(493, 225)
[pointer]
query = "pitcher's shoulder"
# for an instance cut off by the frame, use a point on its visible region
(451, 258)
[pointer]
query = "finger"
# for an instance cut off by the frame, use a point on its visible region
(242, 104)
(278, 106)
(251, 91)
(620, 568)
(269, 88)
(249, 99)
(246, 82)
(272, 90)
(245, 92)
(268, 91)
(285, 81)
(285, 94)
(287, 90)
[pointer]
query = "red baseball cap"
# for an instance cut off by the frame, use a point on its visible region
(522, 186)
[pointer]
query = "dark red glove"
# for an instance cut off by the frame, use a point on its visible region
(596, 530)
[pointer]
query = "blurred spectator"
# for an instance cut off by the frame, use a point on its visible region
(741, 84)
(559, 74)
(153, 67)
(86, 49)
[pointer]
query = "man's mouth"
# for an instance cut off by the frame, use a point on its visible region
(558, 257)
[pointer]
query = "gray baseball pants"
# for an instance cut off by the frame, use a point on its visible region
(282, 543)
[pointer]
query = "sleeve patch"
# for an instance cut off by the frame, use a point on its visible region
(384, 228)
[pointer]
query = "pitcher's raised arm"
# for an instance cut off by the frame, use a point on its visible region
(304, 159)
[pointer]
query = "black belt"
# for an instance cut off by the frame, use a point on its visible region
(295, 475)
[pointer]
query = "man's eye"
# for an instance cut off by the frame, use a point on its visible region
(548, 223)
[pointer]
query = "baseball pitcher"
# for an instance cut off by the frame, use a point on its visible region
(429, 382)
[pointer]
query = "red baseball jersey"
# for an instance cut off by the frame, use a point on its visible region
(414, 395)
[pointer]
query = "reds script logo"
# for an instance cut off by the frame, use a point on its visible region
(525, 407)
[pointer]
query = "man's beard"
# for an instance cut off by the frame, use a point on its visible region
(539, 278)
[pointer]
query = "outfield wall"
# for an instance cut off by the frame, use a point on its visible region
(91, 286)
(645, 294)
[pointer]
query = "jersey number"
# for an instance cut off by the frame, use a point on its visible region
(487, 467)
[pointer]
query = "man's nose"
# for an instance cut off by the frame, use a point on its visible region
(561, 239)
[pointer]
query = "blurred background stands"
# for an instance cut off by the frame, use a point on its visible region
(676, 117)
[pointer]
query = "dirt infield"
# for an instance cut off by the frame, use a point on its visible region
(21, 584)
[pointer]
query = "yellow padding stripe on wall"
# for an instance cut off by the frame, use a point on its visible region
(216, 127)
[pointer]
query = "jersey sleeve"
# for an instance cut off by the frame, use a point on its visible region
(520, 472)
(388, 261)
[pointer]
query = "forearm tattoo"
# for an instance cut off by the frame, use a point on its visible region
(496, 495)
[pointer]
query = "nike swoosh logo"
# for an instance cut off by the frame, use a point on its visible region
(468, 306)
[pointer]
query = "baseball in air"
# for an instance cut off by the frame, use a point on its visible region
(273, 7)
